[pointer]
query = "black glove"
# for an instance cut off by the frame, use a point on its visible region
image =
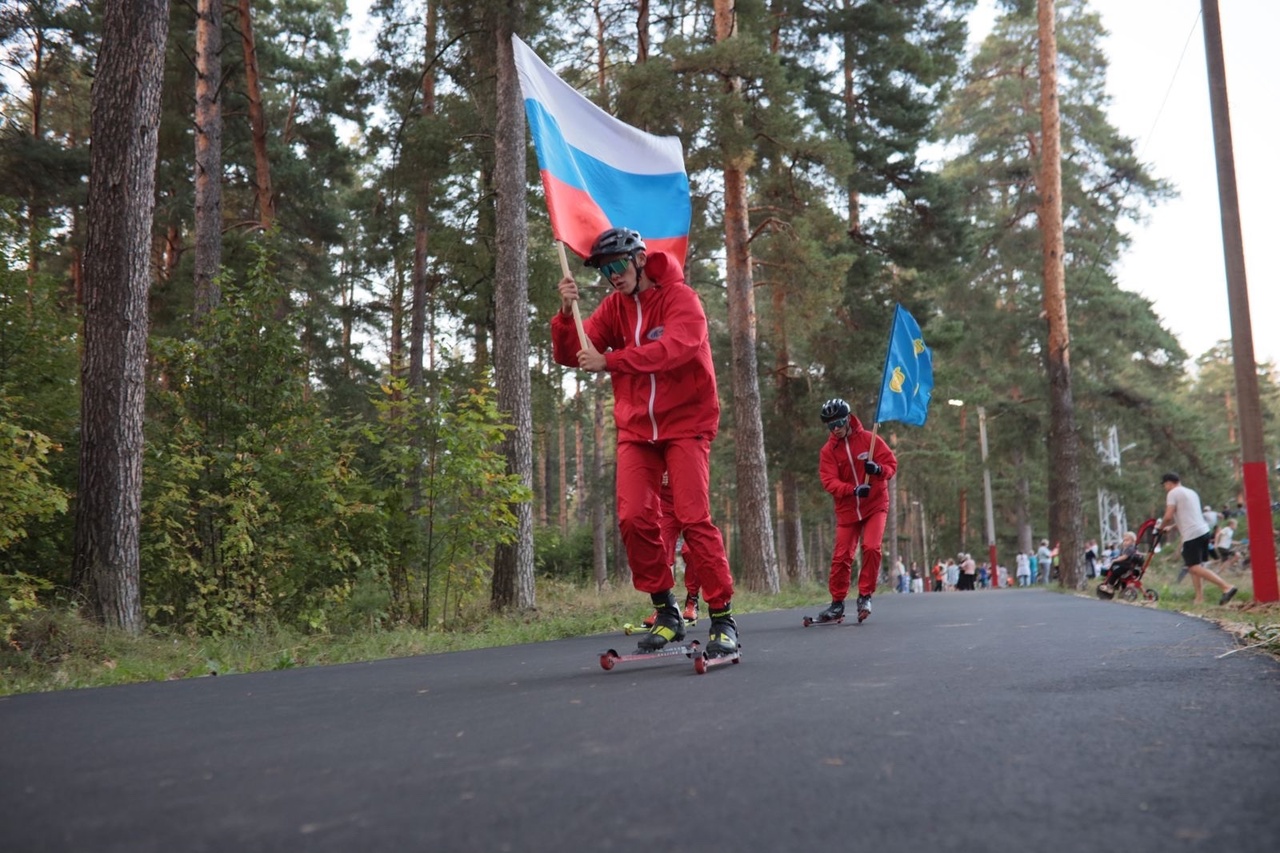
(862, 491)
(873, 469)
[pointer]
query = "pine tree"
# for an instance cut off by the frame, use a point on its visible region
(126, 120)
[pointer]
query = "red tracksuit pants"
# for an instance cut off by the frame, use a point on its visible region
(671, 535)
(871, 531)
(688, 466)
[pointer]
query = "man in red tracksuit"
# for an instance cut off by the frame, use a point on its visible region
(857, 476)
(650, 334)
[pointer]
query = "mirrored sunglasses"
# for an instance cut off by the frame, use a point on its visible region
(838, 424)
(618, 267)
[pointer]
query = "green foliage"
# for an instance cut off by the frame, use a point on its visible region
(287, 491)
(19, 602)
(250, 494)
(24, 479)
(39, 410)
(566, 557)
(448, 510)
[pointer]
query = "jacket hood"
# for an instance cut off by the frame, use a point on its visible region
(662, 268)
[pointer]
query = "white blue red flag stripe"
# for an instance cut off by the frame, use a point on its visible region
(599, 172)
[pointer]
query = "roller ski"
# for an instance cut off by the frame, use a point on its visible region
(667, 628)
(611, 658)
(722, 647)
(833, 615)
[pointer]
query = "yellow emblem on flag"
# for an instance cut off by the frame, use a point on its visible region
(895, 384)
(917, 344)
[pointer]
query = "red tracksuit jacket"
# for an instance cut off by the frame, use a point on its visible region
(841, 472)
(657, 353)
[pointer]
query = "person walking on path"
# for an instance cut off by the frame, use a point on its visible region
(856, 475)
(650, 335)
(1044, 562)
(1182, 509)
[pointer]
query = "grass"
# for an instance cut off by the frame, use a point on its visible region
(54, 650)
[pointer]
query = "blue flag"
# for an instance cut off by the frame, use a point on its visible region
(908, 373)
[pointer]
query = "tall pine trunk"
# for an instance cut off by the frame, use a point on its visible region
(257, 120)
(126, 123)
(208, 133)
(421, 289)
(513, 563)
(758, 567)
(1065, 526)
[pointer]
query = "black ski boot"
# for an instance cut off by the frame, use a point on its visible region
(864, 607)
(835, 610)
(724, 633)
(667, 624)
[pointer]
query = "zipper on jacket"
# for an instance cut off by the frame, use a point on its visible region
(853, 469)
(653, 379)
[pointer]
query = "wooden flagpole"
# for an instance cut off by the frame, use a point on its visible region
(577, 315)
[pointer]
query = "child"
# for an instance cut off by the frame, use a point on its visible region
(1128, 560)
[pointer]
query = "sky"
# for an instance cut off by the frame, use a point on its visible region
(1160, 99)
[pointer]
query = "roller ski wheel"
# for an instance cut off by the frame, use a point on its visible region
(818, 620)
(704, 661)
(611, 658)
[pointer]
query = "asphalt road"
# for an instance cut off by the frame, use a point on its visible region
(990, 721)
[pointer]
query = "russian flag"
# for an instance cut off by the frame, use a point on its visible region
(599, 172)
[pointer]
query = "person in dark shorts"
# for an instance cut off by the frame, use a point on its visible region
(1182, 508)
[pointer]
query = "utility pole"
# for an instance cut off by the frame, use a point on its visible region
(1257, 491)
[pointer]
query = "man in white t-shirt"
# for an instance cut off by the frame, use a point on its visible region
(1182, 508)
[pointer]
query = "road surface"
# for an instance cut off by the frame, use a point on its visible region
(1017, 720)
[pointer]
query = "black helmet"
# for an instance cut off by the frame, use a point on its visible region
(834, 409)
(615, 241)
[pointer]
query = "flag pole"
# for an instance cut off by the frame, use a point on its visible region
(577, 315)
(888, 348)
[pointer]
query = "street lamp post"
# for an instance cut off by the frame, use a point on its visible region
(986, 490)
(986, 498)
(924, 537)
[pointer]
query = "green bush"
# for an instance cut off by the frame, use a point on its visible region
(561, 557)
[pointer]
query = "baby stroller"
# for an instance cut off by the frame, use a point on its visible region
(1127, 571)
